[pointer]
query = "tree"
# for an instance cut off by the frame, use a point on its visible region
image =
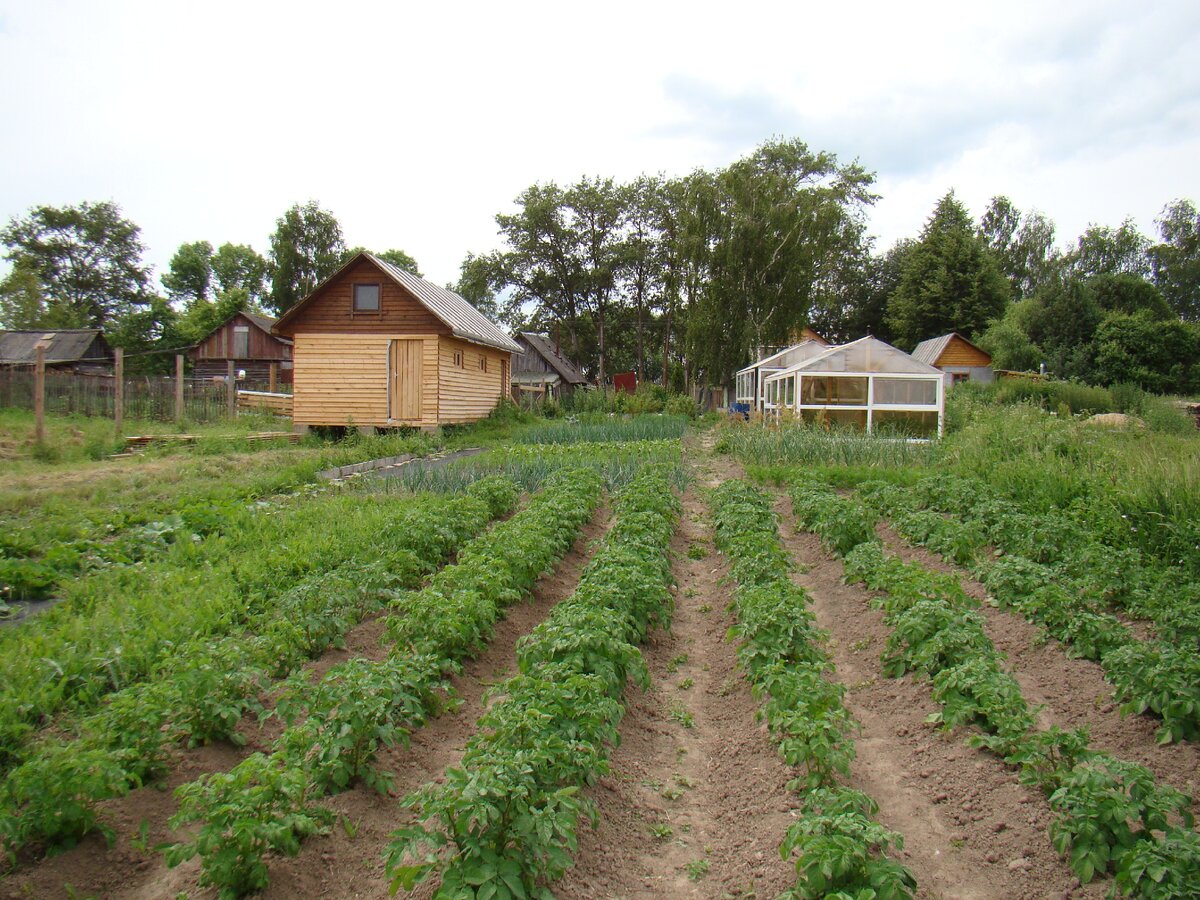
(1023, 245)
(1175, 262)
(477, 276)
(87, 260)
(1063, 323)
(1129, 294)
(1158, 356)
(641, 257)
(22, 303)
(856, 304)
(950, 282)
(240, 269)
(306, 248)
(189, 274)
(1101, 250)
(401, 260)
(776, 225)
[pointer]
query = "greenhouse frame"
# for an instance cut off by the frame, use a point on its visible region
(750, 381)
(865, 384)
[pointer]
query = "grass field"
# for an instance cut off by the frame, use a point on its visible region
(608, 656)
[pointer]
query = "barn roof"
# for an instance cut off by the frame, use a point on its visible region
(931, 351)
(62, 345)
(463, 319)
(564, 367)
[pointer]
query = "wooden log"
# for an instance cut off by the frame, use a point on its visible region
(179, 387)
(119, 390)
(231, 391)
(39, 395)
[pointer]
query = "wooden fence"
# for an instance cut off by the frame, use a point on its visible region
(145, 397)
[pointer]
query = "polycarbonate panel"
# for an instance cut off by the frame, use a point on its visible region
(835, 418)
(906, 391)
(833, 390)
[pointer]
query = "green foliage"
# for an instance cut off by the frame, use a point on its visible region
(1176, 261)
(262, 805)
(306, 248)
(797, 444)
(87, 260)
(950, 282)
(1158, 356)
(506, 819)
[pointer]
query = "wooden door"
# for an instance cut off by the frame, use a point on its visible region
(404, 380)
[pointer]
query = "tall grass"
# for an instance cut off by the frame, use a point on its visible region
(638, 428)
(796, 444)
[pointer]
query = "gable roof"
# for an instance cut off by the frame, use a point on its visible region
(261, 322)
(931, 351)
(62, 345)
(564, 367)
(867, 354)
(806, 349)
(463, 319)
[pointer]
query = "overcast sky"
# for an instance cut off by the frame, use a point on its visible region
(416, 123)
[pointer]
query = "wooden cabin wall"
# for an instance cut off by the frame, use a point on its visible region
(341, 379)
(219, 344)
(960, 353)
(467, 393)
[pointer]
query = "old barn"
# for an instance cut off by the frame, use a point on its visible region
(374, 345)
(246, 339)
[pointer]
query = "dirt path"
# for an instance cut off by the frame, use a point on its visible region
(696, 803)
(349, 862)
(1073, 692)
(971, 830)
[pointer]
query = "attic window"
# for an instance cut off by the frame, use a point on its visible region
(241, 341)
(366, 298)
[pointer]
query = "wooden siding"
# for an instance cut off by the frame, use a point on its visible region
(959, 353)
(219, 344)
(342, 379)
(466, 393)
(330, 311)
(531, 360)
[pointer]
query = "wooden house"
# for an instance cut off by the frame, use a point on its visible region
(82, 350)
(246, 339)
(957, 357)
(541, 370)
(374, 345)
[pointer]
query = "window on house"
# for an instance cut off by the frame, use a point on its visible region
(483, 364)
(366, 298)
(241, 341)
(458, 358)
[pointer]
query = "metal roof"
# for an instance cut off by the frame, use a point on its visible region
(931, 351)
(62, 345)
(463, 319)
(542, 346)
(264, 323)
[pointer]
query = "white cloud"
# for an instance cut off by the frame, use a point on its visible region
(416, 124)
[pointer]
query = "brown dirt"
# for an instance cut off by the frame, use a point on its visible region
(719, 785)
(131, 867)
(1072, 692)
(970, 828)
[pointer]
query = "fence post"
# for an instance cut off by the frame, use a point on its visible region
(231, 390)
(39, 395)
(272, 376)
(119, 390)
(178, 388)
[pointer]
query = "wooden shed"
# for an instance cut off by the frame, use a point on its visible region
(82, 350)
(374, 345)
(957, 357)
(246, 339)
(542, 370)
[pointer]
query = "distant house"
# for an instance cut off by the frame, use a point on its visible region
(374, 345)
(866, 384)
(82, 350)
(246, 339)
(957, 357)
(543, 371)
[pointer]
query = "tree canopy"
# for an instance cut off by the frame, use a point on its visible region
(306, 248)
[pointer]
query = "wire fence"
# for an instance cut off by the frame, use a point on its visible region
(146, 397)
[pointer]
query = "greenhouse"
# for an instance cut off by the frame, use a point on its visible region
(864, 384)
(750, 381)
